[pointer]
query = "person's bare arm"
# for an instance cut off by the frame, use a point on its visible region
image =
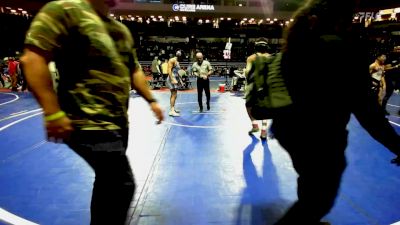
(391, 67)
(249, 63)
(371, 68)
(39, 79)
(171, 64)
(140, 85)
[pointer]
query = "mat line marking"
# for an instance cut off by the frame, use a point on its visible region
(15, 99)
(397, 106)
(394, 123)
(18, 121)
(5, 215)
(19, 114)
(135, 217)
(16, 113)
(14, 219)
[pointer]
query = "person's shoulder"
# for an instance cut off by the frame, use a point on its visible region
(65, 5)
(61, 10)
(266, 55)
(121, 26)
(252, 58)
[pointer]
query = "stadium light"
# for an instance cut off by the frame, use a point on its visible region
(229, 19)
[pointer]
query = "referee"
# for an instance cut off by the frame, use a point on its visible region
(202, 70)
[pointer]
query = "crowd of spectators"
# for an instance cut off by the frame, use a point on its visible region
(150, 44)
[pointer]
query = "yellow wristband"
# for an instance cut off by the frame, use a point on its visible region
(55, 116)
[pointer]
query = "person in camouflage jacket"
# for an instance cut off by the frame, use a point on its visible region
(97, 64)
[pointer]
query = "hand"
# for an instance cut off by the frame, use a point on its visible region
(396, 161)
(174, 81)
(59, 130)
(158, 112)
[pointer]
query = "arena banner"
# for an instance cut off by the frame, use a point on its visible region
(192, 8)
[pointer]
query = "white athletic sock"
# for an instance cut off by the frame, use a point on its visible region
(264, 125)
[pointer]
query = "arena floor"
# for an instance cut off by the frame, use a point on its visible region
(196, 169)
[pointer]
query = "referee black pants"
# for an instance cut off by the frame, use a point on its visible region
(203, 85)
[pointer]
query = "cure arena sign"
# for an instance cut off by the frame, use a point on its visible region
(192, 7)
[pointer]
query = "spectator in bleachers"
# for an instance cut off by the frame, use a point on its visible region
(12, 71)
(1, 74)
(155, 68)
(164, 69)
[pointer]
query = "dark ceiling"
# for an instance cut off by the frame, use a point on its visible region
(280, 5)
(291, 5)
